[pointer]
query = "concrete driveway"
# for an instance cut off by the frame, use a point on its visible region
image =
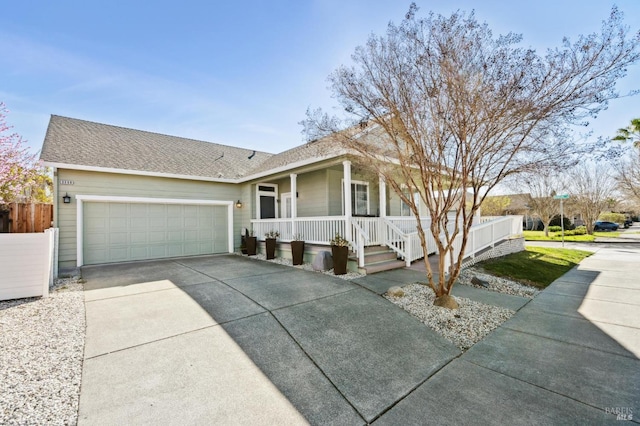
(231, 340)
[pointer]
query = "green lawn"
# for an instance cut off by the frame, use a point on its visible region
(536, 266)
(557, 236)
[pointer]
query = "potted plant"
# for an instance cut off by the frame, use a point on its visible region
(251, 242)
(340, 254)
(270, 243)
(297, 249)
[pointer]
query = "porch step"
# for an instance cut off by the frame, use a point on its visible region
(379, 258)
(384, 266)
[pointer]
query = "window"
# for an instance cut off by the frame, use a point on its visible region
(405, 210)
(359, 198)
(285, 205)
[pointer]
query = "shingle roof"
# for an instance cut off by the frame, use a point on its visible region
(316, 149)
(85, 143)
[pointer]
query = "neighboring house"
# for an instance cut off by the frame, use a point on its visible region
(123, 195)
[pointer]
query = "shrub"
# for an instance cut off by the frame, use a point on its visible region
(580, 230)
(556, 222)
(555, 228)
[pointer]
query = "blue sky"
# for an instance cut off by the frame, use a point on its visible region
(238, 73)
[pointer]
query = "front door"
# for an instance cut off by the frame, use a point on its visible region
(267, 195)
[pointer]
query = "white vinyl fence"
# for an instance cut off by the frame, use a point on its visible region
(27, 264)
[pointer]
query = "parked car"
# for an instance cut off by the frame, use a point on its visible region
(605, 226)
(628, 223)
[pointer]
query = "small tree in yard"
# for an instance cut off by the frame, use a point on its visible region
(442, 106)
(542, 187)
(592, 188)
(628, 175)
(19, 170)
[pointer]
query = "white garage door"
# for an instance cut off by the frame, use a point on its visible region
(119, 232)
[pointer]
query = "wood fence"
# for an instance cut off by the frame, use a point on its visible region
(27, 218)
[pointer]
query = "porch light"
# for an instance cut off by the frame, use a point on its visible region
(66, 199)
(239, 204)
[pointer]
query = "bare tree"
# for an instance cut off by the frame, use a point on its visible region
(592, 188)
(441, 105)
(542, 187)
(628, 176)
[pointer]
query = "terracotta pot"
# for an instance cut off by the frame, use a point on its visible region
(297, 252)
(340, 257)
(251, 246)
(270, 244)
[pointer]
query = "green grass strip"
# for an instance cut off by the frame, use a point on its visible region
(536, 266)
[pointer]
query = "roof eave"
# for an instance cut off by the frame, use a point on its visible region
(137, 172)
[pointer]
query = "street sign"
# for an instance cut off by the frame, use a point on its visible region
(561, 197)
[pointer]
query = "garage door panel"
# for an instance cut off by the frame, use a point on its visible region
(157, 251)
(191, 249)
(139, 238)
(156, 210)
(175, 236)
(139, 222)
(191, 223)
(174, 210)
(157, 236)
(118, 238)
(118, 210)
(139, 253)
(191, 211)
(119, 254)
(139, 210)
(157, 222)
(115, 232)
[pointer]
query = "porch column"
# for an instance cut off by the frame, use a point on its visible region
(294, 203)
(382, 187)
(346, 165)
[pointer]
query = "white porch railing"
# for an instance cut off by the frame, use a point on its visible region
(314, 230)
(359, 240)
(398, 233)
(485, 235)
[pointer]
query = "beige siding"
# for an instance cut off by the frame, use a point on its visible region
(110, 184)
(334, 188)
(312, 194)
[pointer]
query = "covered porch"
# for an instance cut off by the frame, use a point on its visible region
(363, 218)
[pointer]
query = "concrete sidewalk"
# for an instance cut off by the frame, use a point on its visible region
(226, 339)
(569, 356)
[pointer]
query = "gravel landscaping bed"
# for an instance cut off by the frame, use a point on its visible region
(41, 353)
(500, 285)
(463, 327)
(306, 267)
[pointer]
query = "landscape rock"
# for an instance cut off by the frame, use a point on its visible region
(395, 291)
(446, 301)
(323, 261)
(477, 281)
